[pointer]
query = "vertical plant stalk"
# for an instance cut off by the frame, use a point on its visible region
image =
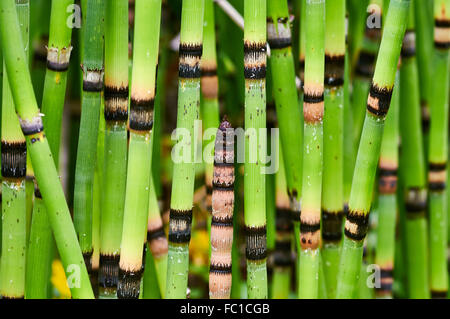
(143, 91)
(333, 142)
(424, 36)
(369, 150)
(13, 167)
(39, 252)
(38, 147)
(289, 115)
(115, 150)
(387, 198)
(59, 49)
(438, 152)
(365, 66)
(90, 115)
(255, 143)
(222, 213)
(313, 107)
(209, 93)
(413, 168)
(156, 238)
(282, 258)
(180, 220)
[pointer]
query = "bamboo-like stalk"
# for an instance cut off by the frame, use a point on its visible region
(424, 38)
(313, 107)
(41, 157)
(289, 115)
(14, 160)
(387, 198)
(143, 89)
(115, 150)
(222, 213)
(365, 70)
(209, 92)
(282, 258)
(255, 143)
(438, 152)
(59, 49)
(184, 170)
(156, 238)
(369, 150)
(39, 251)
(357, 10)
(333, 142)
(412, 163)
(90, 114)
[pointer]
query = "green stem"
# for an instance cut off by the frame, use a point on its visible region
(255, 143)
(184, 168)
(438, 152)
(313, 108)
(115, 150)
(369, 149)
(42, 161)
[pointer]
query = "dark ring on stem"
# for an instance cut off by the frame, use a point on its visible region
(256, 246)
(223, 187)
(116, 95)
(361, 221)
(308, 228)
(255, 72)
(109, 270)
(332, 225)
(438, 294)
(283, 220)
(33, 126)
(365, 64)
(313, 98)
(220, 269)
(437, 167)
(14, 159)
(383, 98)
(334, 70)
(180, 226)
(155, 234)
(188, 71)
(205, 72)
(387, 172)
(191, 50)
(386, 273)
(437, 186)
(222, 221)
(58, 67)
(129, 283)
(141, 114)
(279, 43)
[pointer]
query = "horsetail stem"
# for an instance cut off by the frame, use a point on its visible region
(282, 258)
(369, 150)
(115, 158)
(424, 36)
(438, 152)
(143, 89)
(45, 171)
(190, 54)
(255, 142)
(222, 213)
(209, 91)
(333, 141)
(387, 198)
(313, 105)
(13, 167)
(365, 69)
(284, 90)
(156, 237)
(90, 114)
(58, 56)
(412, 163)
